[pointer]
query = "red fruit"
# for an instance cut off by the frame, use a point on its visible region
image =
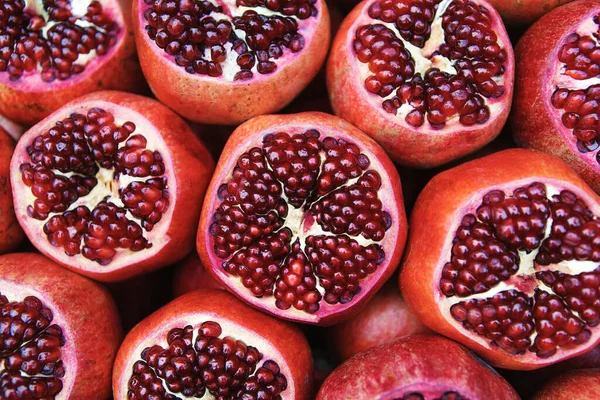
(191, 275)
(304, 217)
(224, 62)
(110, 185)
(11, 233)
(385, 317)
(52, 52)
(576, 385)
(430, 81)
(503, 257)
(522, 13)
(208, 343)
(416, 368)
(557, 98)
(59, 332)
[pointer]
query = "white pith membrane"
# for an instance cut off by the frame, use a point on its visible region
(304, 224)
(107, 189)
(524, 280)
(229, 328)
(558, 79)
(16, 292)
(229, 10)
(15, 131)
(80, 19)
(426, 58)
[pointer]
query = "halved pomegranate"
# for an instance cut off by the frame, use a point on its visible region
(59, 332)
(191, 275)
(576, 385)
(53, 51)
(110, 185)
(557, 102)
(226, 61)
(420, 367)
(11, 233)
(207, 344)
(304, 217)
(504, 257)
(430, 80)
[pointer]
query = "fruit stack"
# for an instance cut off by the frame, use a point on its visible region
(299, 199)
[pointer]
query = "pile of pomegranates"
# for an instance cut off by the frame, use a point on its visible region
(299, 199)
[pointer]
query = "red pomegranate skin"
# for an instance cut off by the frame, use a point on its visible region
(576, 385)
(191, 275)
(92, 329)
(385, 317)
(530, 119)
(431, 219)
(524, 12)
(425, 364)
(11, 233)
(288, 341)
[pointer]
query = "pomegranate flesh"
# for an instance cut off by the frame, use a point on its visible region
(576, 385)
(304, 217)
(110, 185)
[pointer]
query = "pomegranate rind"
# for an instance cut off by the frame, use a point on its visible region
(575, 385)
(435, 218)
(277, 340)
(212, 100)
(523, 13)
(420, 363)
(11, 233)
(531, 120)
(191, 275)
(188, 168)
(82, 308)
(119, 69)
(422, 147)
(251, 134)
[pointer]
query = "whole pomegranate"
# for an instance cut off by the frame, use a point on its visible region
(429, 80)
(59, 332)
(524, 12)
(576, 385)
(110, 185)
(53, 51)
(207, 343)
(304, 217)
(224, 62)
(11, 233)
(385, 317)
(191, 275)
(503, 257)
(420, 367)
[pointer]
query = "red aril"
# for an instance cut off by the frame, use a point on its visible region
(304, 217)
(420, 367)
(191, 275)
(52, 52)
(224, 62)
(210, 345)
(503, 257)
(429, 80)
(110, 185)
(576, 385)
(59, 332)
(522, 13)
(557, 98)
(11, 233)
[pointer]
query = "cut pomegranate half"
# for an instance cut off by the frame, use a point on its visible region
(59, 332)
(209, 345)
(430, 80)
(304, 217)
(53, 51)
(110, 185)
(557, 102)
(225, 61)
(512, 267)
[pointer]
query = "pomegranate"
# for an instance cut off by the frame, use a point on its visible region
(576, 385)
(110, 185)
(557, 101)
(503, 257)
(59, 332)
(385, 317)
(304, 217)
(523, 13)
(207, 344)
(191, 275)
(11, 233)
(420, 367)
(226, 61)
(430, 80)
(53, 51)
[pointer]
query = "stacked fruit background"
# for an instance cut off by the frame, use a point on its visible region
(299, 199)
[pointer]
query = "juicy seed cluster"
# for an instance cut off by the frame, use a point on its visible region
(30, 351)
(581, 56)
(55, 48)
(80, 147)
(225, 367)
